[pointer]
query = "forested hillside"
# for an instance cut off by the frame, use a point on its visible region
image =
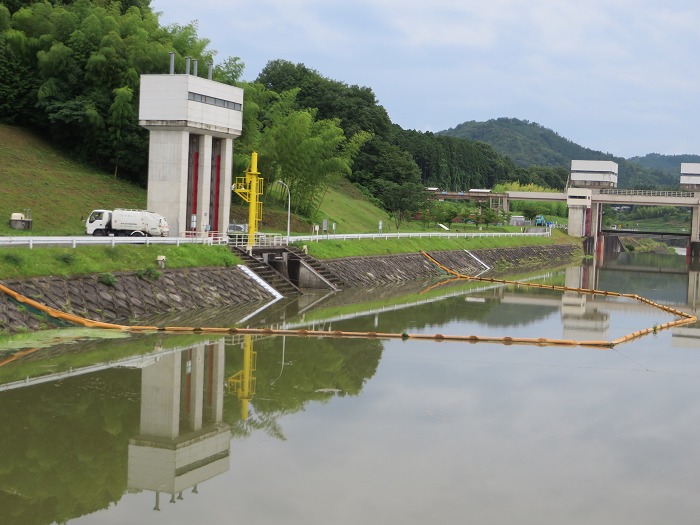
(667, 163)
(528, 143)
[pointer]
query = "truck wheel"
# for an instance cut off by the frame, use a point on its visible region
(137, 234)
(98, 233)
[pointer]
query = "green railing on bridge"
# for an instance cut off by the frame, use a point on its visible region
(647, 193)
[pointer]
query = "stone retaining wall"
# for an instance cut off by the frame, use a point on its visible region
(185, 290)
(131, 297)
(385, 269)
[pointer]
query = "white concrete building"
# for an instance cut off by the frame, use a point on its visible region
(193, 122)
(578, 200)
(594, 173)
(690, 176)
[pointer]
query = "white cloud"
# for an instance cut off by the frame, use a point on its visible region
(619, 74)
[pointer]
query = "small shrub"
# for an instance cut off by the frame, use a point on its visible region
(152, 274)
(12, 258)
(149, 274)
(107, 279)
(66, 258)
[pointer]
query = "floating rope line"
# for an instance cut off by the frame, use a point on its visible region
(683, 319)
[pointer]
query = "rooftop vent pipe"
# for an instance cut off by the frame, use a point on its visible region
(209, 71)
(172, 62)
(187, 65)
(194, 66)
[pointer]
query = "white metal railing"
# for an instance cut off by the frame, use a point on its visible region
(447, 235)
(87, 240)
(261, 239)
(240, 240)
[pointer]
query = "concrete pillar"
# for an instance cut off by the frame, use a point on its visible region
(197, 388)
(577, 221)
(226, 184)
(695, 224)
(168, 153)
(160, 397)
(218, 381)
(693, 285)
(204, 184)
(596, 218)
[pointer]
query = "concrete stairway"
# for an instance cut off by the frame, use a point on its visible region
(318, 267)
(268, 274)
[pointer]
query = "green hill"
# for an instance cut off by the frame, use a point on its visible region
(530, 144)
(667, 163)
(61, 193)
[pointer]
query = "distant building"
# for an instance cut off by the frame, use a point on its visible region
(593, 174)
(690, 176)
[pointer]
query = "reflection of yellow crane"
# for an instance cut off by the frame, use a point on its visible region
(250, 188)
(243, 381)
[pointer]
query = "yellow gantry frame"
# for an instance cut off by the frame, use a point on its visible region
(250, 188)
(243, 382)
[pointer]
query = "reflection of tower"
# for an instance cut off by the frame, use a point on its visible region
(693, 286)
(183, 441)
(579, 319)
(243, 381)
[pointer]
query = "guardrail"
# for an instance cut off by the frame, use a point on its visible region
(447, 235)
(88, 240)
(261, 239)
(647, 193)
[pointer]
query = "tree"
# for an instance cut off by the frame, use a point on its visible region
(229, 71)
(67, 69)
(400, 200)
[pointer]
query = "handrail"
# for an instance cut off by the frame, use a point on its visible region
(87, 240)
(261, 239)
(447, 235)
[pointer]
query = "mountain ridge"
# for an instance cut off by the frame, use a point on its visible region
(531, 144)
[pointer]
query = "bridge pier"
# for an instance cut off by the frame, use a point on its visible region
(694, 250)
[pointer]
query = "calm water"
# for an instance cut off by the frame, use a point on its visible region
(191, 429)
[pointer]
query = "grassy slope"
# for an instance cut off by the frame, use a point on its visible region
(58, 191)
(336, 249)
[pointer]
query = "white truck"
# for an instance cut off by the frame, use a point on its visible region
(116, 222)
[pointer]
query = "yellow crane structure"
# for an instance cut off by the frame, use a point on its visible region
(243, 382)
(250, 188)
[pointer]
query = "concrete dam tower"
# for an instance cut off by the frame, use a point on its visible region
(193, 122)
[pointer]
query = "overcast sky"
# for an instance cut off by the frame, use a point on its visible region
(619, 76)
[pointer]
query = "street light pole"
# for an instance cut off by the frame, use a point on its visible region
(289, 206)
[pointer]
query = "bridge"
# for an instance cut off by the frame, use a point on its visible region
(592, 184)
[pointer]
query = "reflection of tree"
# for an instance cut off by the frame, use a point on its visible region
(316, 369)
(66, 456)
(491, 311)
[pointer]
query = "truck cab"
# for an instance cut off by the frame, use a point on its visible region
(98, 223)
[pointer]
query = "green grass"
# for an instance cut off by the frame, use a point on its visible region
(333, 249)
(25, 262)
(661, 224)
(345, 206)
(59, 192)
(342, 204)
